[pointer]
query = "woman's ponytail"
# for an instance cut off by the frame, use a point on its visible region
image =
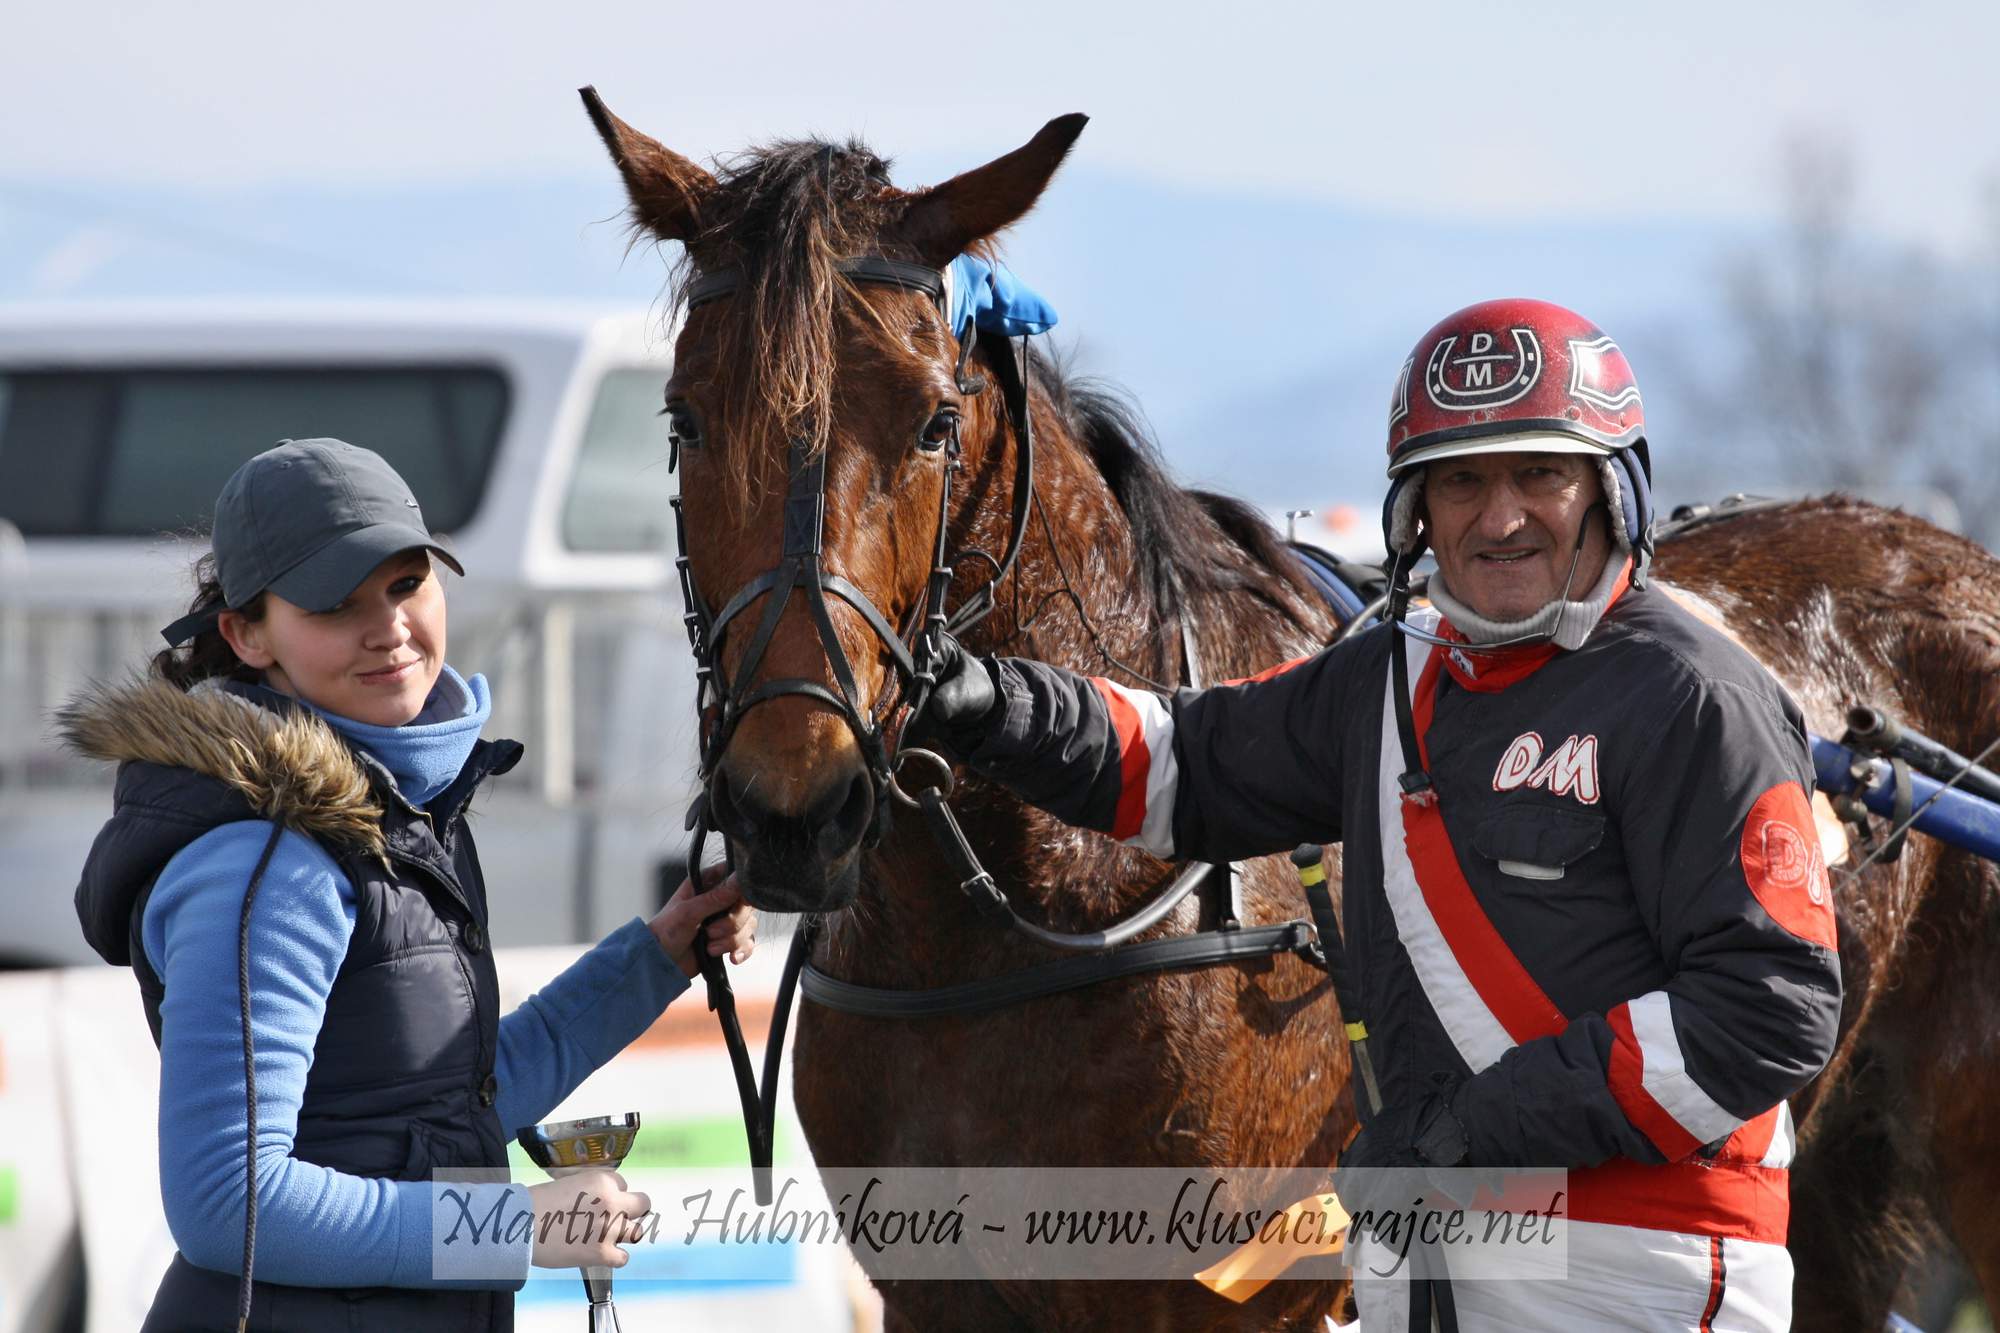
(208, 655)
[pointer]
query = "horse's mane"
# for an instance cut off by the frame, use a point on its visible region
(1191, 545)
(785, 214)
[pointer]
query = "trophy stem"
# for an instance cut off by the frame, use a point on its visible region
(603, 1314)
(603, 1317)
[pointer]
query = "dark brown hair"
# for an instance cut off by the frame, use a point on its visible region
(785, 216)
(208, 654)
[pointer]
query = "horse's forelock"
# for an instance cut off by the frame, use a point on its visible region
(784, 216)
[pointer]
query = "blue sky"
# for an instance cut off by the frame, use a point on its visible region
(1499, 109)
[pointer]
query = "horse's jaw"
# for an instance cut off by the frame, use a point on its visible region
(791, 879)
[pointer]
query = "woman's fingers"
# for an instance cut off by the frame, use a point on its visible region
(711, 877)
(734, 935)
(712, 902)
(740, 921)
(617, 1215)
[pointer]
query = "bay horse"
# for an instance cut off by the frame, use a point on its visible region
(1111, 569)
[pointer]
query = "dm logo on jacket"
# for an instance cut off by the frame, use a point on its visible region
(1784, 866)
(1568, 770)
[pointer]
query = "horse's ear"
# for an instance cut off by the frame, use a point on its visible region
(942, 222)
(666, 189)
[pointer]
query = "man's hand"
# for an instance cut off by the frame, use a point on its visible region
(582, 1220)
(961, 704)
(677, 924)
(1391, 1163)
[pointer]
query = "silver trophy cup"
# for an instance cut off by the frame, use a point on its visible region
(563, 1147)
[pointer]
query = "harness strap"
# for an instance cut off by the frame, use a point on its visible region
(1064, 974)
(715, 285)
(1014, 390)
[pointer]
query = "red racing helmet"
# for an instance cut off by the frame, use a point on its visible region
(1518, 376)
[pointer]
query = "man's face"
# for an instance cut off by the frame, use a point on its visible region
(1504, 528)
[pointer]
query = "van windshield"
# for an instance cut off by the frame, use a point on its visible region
(619, 494)
(134, 452)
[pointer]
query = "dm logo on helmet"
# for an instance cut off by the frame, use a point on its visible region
(1486, 374)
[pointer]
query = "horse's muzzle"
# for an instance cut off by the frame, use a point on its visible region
(807, 861)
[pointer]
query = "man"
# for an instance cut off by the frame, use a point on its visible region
(1585, 910)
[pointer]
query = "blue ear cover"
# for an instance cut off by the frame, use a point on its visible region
(1635, 494)
(989, 295)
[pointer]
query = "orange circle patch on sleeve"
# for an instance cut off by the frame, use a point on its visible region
(1784, 866)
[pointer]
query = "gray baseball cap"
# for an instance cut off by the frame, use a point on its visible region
(309, 520)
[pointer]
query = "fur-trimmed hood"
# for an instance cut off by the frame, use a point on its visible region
(189, 762)
(224, 753)
(288, 765)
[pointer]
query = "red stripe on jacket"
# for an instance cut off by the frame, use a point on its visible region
(1135, 761)
(1502, 982)
(1626, 1078)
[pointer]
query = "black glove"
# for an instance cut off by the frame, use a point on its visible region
(1389, 1166)
(963, 703)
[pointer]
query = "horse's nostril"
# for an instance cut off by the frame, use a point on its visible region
(848, 820)
(728, 814)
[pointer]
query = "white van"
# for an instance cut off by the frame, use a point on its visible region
(532, 438)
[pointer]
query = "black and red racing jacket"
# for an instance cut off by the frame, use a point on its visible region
(1612, 926)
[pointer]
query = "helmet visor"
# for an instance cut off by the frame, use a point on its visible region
(1549, 442)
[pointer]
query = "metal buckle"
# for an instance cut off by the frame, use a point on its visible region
(943, 788)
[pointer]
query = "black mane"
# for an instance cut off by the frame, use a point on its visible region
(1191, 544)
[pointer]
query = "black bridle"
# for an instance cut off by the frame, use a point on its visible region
(913, 651)
(722, 703)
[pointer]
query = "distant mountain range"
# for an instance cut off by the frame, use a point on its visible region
(1260, 334)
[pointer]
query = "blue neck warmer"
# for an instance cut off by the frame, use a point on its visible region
(428, 751)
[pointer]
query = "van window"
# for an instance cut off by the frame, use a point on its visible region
(618, 494)
(139, 451)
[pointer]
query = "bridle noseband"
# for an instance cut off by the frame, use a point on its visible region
(722, 702)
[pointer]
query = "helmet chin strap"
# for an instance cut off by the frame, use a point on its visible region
(1415, 780)
(1399, 598)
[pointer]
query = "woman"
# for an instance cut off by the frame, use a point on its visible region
(290, 873)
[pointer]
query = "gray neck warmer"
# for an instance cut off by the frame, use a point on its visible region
(1578, 618)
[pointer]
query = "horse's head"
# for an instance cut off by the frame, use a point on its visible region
(798, 376)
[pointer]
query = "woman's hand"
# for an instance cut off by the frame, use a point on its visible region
(584, 1218)
(677, 924)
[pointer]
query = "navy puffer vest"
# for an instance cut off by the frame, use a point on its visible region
(402, 1074)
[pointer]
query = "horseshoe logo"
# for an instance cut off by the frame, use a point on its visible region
(1483, 375)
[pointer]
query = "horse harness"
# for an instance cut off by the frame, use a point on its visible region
(722, 703)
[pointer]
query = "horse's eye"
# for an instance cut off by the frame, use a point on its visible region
(683, 431)
(939, 431)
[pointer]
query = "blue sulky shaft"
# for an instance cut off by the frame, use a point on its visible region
(1954, 817)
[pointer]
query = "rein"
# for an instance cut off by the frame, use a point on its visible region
(722, 704)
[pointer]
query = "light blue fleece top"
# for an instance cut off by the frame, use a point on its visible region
(315, 1226)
